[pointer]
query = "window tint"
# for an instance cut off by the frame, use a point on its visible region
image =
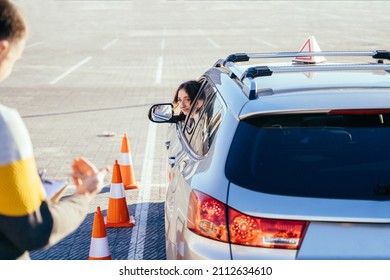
(198, 107)
(204, 120)
(207, 127)
(313, 155)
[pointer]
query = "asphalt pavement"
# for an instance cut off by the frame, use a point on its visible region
(92, 69)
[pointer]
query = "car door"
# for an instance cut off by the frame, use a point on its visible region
(185, 155)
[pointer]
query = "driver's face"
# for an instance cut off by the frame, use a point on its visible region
(184, 101)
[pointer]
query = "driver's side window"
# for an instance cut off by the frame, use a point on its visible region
(204, 120)
(207, 127)
(197, 109)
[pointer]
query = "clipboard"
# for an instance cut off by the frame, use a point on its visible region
(54, 189)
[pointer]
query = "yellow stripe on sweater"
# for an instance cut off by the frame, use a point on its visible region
(21, 190)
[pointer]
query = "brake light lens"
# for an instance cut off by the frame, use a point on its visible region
(261, 232)
(208, 217)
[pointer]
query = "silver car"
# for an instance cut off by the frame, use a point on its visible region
(287, 159)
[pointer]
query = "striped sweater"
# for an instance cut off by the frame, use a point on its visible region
(27, 220)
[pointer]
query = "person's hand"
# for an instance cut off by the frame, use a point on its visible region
(87, 178)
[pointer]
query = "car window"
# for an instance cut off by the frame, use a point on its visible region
(313, 155)
(207, 127)
(204, 122)
(214, 120)
(198, 107)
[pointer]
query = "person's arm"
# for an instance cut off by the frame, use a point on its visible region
(67, 216)
(69, 213)
(178, 118)
(43, 227)
(27, 220)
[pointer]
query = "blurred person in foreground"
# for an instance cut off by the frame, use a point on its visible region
(28, 220)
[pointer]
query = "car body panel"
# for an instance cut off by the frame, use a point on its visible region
(190, 172)
(265, 205)
(303, 81)
(357, 221)
(233, 97)
(318, 101)
(240, 252)
(197, 248)
(346, 241)
(337, 227)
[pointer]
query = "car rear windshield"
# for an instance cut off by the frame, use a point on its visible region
(313, 155)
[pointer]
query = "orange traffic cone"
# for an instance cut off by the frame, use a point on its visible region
(118, 213)
(99, 249)
(126, 165)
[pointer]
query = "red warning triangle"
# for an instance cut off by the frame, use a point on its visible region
(306, 46)
(310, 45)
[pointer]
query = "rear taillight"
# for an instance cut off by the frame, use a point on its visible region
(261, 232)
(208, 217)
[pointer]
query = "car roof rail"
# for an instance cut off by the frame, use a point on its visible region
(261, 71)
(241, 57)
(237, 72)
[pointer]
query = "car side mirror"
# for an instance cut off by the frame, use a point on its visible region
(161, 113)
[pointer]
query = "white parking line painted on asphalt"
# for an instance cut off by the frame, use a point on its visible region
(214, 44)
(138, 234)
(159, 69)
(163, 44)
(70, 70)
(33, 45)
(110, 44)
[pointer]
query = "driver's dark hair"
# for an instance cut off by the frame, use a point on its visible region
(192, 88)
